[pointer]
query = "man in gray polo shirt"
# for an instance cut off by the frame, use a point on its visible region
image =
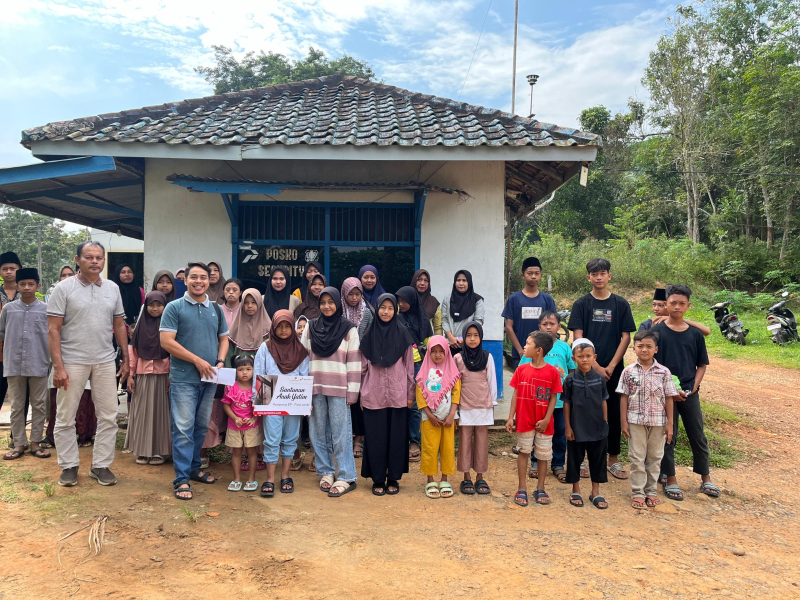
(194, 332)
(82, 312)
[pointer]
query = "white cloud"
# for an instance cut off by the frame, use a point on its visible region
(61, 48)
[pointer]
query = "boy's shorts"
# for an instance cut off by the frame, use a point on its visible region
(246, 438)
(540, 444)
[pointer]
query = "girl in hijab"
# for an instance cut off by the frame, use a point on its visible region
(148, 435)
(476, 410)
(300, 326)
(438, 396)
(462, 306)
(281, 354)
(181, 274)
(312, 268)
(180, 282)
(231, 300)
(370, 283)
(164, 282)
(216, 280)
(359, 313)
(132, 294)
(421, 281)
(332, 342)
(413, 318)
(278, 295)
(310, 306)
(387, 390)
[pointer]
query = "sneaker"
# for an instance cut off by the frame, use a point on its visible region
(103, 475)
(69, 477)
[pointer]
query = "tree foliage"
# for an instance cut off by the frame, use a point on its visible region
(258, 70)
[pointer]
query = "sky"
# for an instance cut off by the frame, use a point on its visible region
(64, 59)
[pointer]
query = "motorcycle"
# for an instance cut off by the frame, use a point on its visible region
(729, 324)
(563, 333)
(781, 322)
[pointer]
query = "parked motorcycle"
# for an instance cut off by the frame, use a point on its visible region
(563, 317)
(729, 324)
(781, 322)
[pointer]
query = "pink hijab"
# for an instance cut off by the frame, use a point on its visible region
(354, 314)
(434, 380)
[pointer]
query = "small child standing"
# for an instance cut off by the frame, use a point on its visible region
(476, 411)
(149, 436)
(586, 420)
(23, 344)
(536, 385)
(438, 396)
(243, 425)
(646, 390)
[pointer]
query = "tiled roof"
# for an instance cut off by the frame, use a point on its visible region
(334, 110)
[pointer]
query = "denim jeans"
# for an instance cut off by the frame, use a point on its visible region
(190, 411)
(332, 436)
(415, 416)
(280, 436)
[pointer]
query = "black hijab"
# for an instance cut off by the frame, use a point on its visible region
(327, 333)
(475, 359)
(383, 343)
(275, 301)
(131, 295)
(415, 319)
(146, 338)
(304, 282)
(462, 306)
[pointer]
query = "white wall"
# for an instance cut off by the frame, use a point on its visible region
(116, 243)
(180, 225)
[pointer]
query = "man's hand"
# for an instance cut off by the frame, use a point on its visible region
(541, 425)
(668, 432)
(60, 378)
(569, 434)
(626, 429)
(206, 370)
(657, 320)
(601, 370)
(510, 426)
(681, 397)
(124, 370)
(609, 371)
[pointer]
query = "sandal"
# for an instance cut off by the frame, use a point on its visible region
(204, 478)
(597, 501)
(432, 490)
(13, 455)
(297, 463)
(673, 491)
(445, 489)
(392, 487)
(541, 497)
(467, 487)
(183, 490)
(414, 455)
(157, 460)
(267, 489)
(312, 466)
(42, 453)
(378, 489)
(521, 498)
(709, 489)
(482, 487)
(358, 450)
(618, 471)
(639, 504)
(251, 486)
(85, 444)
(245, 464)
(261, 465)
(204, 462)
(325, 483)
(287, 485)
(576, 500)
(142, 460)
(584, 471)
(652, 501)
(515, 452)
(47, 444)
(235, 486)
(533, 473)
(561, 475)
(340, 488)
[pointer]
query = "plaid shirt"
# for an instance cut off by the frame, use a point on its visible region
(647, 392)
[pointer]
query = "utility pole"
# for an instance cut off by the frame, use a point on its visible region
(39, 247)
(514, 61)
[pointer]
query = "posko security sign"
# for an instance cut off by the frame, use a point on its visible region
(256, 263)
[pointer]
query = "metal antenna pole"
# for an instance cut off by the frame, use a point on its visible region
(514, 62)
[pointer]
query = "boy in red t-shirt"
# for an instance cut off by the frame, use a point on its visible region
(536, 387)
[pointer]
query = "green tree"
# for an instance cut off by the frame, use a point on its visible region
(262, 69)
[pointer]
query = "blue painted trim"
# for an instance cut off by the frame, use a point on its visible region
(226, 200)
(327, 253)
(74, 189)
(121, 221)
(234, 216)
(90, 203)
(326, 204)
(57, 168)
(261, 242)
(233, 187)
(419, 209)
(496, 350)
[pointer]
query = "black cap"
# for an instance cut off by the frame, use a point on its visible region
(529, 262)
(10, 257)
(660, 294)
(28, 274)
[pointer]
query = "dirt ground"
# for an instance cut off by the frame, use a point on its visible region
(305, 545)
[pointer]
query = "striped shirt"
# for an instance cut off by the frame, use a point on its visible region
(339, 374)
(647, 392)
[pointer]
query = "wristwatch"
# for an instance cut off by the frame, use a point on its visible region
(220, 360)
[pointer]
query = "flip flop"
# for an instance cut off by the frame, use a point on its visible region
(235, 486)
(575, 499)
(342, 487)
(251, 486)
(267, 489)
(13, 455)
(639, 504)
(596, 500)
(42, 453)
(414, 455)
(652, 501)
(297, 463)
(289, 482)
(482, 487)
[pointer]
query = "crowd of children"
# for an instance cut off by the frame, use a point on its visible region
(395, 376)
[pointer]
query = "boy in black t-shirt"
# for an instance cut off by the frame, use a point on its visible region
(606, 320)
(682, 349)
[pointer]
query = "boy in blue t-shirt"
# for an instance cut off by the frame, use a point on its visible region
(523, 309)
(560, 356)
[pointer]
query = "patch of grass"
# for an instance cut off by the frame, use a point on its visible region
(191, 515)
(219, 455)
(501, 441)
(49, 488)
(120, 440)
(26, 476)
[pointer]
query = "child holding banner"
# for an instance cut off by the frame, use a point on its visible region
(281, 354)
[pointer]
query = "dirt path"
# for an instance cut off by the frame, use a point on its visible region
(306, 545)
